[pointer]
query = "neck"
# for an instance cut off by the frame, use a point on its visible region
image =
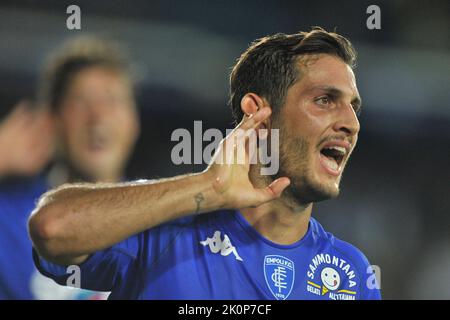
(283, 221)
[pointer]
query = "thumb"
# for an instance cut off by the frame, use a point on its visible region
(275, 189)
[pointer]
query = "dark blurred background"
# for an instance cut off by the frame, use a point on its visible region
(395, 202)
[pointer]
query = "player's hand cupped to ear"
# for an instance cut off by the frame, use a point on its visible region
(231, 164)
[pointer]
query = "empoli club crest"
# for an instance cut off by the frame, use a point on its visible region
(279, 273)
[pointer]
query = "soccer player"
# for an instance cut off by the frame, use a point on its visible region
(229, 232)
(88, 90)
(25, 148)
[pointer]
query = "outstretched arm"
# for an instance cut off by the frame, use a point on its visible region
(74, 221)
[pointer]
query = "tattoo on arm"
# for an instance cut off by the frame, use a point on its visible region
(199, 198)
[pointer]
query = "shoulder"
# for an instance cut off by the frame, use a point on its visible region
(350, 261)
(345, 249)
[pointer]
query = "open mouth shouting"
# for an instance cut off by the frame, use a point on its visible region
(333, 156)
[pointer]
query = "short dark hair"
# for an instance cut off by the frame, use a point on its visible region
(76, 55)
(268, 67)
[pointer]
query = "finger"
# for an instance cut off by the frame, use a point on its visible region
(276, 188)
(239, 137)
(42, 122)
(20, 115)
(245, 134)
(279, 185)
(251, 147)
(23, 106)
(252, 121)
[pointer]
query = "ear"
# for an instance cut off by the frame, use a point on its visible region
(251, 103)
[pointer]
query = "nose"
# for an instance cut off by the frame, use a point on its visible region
(98, 110)
(347, 121)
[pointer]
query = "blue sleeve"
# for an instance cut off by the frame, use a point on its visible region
(369, 288)
(119, 267)
(102, 270)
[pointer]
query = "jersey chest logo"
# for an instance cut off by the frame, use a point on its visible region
(331, 277)
(279, 273)
(216, 245)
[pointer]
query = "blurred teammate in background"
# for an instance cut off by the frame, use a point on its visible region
(26, 146)
(88, 90)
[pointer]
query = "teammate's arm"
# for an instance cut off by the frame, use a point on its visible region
(74, 221)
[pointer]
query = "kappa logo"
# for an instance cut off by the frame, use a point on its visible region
(224, 247)
(279, 273)
(337, 286)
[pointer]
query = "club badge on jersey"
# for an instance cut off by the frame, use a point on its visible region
(280, 275)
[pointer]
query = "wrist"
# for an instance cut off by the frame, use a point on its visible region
(213, 199)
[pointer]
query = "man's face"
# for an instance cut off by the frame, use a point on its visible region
(98, 123)
(318, 128)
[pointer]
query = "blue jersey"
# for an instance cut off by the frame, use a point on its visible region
(219, 255)
(17, 200)
(19, 278)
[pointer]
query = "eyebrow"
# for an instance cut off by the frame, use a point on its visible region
(335, 92)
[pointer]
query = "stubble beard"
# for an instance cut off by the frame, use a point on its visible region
(296, 156)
